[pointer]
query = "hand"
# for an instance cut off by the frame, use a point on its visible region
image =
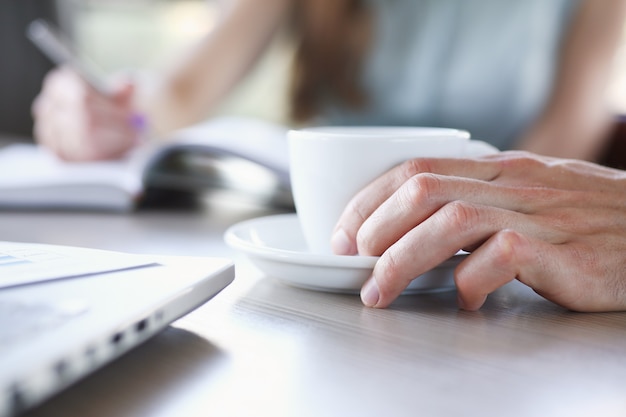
(558, 226)
(78, 123)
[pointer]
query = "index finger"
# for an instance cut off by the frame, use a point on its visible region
(365, 202)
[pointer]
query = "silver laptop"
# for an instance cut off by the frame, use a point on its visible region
(65, 312)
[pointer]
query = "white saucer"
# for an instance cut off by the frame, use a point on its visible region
(276, 246)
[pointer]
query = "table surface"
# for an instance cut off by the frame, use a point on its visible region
(262, 348)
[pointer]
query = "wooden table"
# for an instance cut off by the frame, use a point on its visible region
(261, 348)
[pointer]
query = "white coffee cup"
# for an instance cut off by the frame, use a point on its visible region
(329, 165)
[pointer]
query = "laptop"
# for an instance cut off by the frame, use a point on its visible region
(66, 311)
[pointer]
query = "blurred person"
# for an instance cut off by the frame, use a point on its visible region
(526, 74)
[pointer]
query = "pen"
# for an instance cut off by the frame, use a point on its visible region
(61, 52)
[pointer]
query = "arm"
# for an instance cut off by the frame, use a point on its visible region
(577, 117)
(209, 71)
(558, 226)
(78, 123)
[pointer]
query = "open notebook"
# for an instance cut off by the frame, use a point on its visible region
(243, 155)
(65, 312)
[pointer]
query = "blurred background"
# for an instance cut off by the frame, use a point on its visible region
(125, 34)
(145, 34)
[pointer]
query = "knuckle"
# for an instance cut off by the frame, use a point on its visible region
(527, 161)
(508, 245)
(419, 188)
(364, 243)
(353, 222)
(461, 216)
(389, 273)
(520, 160)
(414, 167)
(355, 210)
(369, 242)
(389, 265)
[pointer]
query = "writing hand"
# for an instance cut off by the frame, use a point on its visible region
(78, 123)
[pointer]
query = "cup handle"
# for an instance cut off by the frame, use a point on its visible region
(479, 148)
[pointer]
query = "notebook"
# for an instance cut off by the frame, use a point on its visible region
(244, 156)
(66, 311)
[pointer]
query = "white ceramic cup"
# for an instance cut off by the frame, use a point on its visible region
(329, 165)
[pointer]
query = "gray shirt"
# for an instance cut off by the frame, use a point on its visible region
(486, 66)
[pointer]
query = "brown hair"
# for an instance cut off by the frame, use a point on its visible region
(332, 38)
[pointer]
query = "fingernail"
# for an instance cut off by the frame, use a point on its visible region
(341, 244)
(370, 293)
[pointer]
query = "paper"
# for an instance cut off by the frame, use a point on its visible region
(31, 176)
(25, 263)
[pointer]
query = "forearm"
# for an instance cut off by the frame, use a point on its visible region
(577, 118)
(577, 135)
(205, 74)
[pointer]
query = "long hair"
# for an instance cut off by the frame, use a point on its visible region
(332, 38)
